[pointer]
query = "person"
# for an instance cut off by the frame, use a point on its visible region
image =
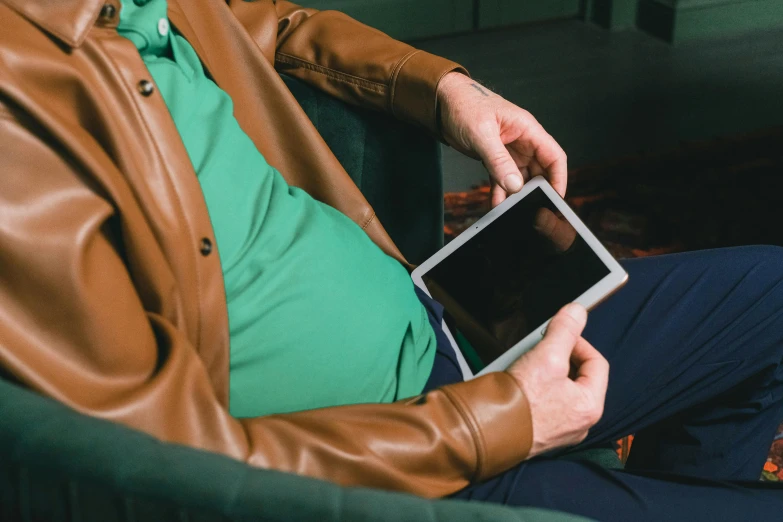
(164, 198)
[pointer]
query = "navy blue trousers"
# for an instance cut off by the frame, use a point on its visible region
(695, 344)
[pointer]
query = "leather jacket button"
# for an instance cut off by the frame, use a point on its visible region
(107, 12)
(146, 87)
(206, 246)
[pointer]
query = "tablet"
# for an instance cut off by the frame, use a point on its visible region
(503, 279)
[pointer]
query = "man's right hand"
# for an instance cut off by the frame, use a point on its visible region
(565, 381)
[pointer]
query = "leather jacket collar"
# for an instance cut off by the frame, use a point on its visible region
(67, 20)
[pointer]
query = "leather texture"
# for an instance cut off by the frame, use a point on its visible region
(109, 302)
(99, 471)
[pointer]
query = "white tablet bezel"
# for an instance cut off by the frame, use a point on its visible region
(589, 299)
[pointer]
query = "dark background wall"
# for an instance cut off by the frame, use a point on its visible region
(607, 78)
(672, 20)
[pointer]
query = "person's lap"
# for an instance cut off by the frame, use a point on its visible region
(695, 343)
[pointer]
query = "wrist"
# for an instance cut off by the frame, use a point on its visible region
(446, 86)
(448, 83)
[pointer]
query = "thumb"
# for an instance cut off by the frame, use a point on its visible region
(499, 163)
(566, 327)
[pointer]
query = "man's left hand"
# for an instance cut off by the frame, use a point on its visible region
(508, 140)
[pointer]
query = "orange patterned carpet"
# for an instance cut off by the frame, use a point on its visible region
(723, 192)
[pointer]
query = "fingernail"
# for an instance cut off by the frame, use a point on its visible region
(576, 311)
(512, 183)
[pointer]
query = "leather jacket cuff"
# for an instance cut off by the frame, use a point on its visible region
(497, 412)
(414, 88)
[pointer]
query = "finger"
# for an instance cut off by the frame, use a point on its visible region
(552, 158)
(592, 368)
(547, 157)
(583, 352)
(523, 162)
(558, 231)
(565, 328)
(536, 169)
(498, 194)
(498, 161)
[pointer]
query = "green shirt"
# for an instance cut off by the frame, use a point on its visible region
(318, 314)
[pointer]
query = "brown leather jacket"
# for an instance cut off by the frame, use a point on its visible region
(111, 293)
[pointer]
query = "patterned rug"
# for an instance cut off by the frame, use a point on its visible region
(709, 194)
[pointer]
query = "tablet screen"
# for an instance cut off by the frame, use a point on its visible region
(511, 277)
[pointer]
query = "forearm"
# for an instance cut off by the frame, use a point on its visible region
(431, 446)
(358, 64)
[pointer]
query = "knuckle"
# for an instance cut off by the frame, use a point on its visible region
(524, 113)
(499, 158)
(502, 164)
(589, 410)
(595, 415)
(596, 412)
(553, 362)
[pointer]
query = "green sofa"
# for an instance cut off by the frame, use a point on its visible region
(59, 465)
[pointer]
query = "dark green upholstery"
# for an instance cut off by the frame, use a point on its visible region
(58, 465)
(396, 166)
(604, 456)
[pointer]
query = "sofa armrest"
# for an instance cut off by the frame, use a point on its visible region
(59, 465)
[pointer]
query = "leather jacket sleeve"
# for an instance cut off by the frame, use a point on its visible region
(353, 62)
(74, 326)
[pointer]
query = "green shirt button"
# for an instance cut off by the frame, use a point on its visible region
(163, 27)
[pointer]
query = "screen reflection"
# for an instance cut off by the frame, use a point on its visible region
(511, 277)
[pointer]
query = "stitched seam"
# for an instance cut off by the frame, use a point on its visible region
(527, 402)
(331, 73)
(395, 75)
(48, 27)
(478, 439)
(180, 209)
(369, 220)
(195, 36)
